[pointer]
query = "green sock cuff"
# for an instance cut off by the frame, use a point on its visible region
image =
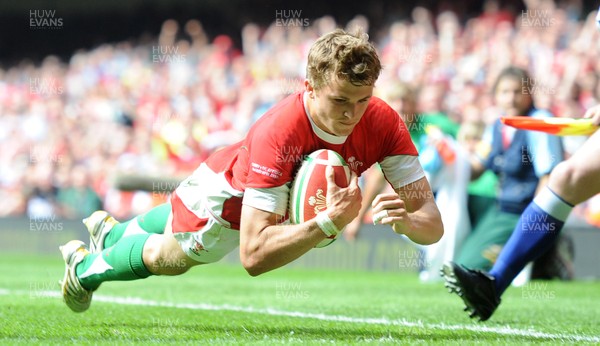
(136, 260)
(83, 265)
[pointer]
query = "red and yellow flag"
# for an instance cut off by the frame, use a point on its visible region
(554, 126)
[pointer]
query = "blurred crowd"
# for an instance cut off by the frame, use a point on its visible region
(158, 108)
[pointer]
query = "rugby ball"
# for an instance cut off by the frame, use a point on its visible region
(308, 195)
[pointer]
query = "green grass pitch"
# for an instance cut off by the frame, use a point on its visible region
(221, 304)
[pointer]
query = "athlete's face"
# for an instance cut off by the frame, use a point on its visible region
(512, 97)
(338, 106)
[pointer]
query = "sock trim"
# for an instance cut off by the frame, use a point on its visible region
(557, 196)
(136, 260)
(553, 204)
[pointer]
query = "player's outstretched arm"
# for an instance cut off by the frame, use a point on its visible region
(266, 244)
(411, 211)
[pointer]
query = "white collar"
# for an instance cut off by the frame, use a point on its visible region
(327, 137)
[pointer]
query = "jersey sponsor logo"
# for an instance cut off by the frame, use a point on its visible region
(266, 171)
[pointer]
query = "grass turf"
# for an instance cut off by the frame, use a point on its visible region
(221, 304)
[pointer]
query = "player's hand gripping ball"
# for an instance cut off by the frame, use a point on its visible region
(308, 195)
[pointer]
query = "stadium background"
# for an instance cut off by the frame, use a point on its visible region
(93, 23)
(101, 97)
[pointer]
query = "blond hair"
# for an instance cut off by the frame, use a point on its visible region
(348, 56)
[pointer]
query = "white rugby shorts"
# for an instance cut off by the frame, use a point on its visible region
(202, 234)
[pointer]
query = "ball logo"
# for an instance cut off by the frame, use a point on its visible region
(319, 201)
(308, 193)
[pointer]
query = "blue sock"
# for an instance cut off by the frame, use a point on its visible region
(537, 229)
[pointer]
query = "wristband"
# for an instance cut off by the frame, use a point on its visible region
(326, 225)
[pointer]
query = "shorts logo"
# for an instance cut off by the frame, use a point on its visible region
(353, 163)
(190, 182)
(197, 248)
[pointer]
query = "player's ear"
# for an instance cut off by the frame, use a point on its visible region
(309, 88)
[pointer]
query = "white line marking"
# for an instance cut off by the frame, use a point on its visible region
(136, 301)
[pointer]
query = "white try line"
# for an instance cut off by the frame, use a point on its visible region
(509, 331)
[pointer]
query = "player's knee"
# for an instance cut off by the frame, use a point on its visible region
(565, 175)
(568, 180)
(561, 175)
(161, 259)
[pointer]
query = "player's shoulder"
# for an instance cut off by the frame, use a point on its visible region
(286, 118)
(379, 111)
(288, 110)
(379, 107)
(380, 114)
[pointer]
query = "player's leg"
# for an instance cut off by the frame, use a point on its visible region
(480, 251)
(576, 179)
(105, 231)
(535, 232)
(133, 257)
(571, 182)
(84, 271)
(163, 254)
